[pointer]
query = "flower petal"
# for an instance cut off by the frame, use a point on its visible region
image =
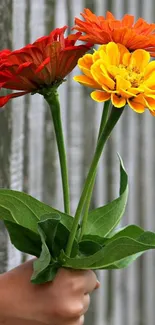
(85, 64)
(5, 99)
(139, 59)
(150, 68)
(137, 104)
(150, 103)
(86, 81)
(113, 53)
(100, 77)
(118, 101)
(100, 96)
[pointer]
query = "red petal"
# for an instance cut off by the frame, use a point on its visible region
(5, 99)
(43, 64)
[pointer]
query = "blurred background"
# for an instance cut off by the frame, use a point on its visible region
(29, 160)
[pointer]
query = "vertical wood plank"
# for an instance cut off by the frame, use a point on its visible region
(36, 111)
(5, 126)
(17, 139)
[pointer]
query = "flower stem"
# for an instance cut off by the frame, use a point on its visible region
(53, 101)
(103, 122)
(104, 117)
(114, 117)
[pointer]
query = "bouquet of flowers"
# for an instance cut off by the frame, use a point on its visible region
(121, 73)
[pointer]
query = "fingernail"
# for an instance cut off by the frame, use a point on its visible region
(97, 284)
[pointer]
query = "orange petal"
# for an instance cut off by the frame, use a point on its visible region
(100, 96)
(137, 104)
(150, 103)
(128, 21)
(118, 101)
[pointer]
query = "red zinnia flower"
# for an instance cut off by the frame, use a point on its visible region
(100, 30)
(40, 65)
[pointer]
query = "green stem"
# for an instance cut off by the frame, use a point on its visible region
(53, 101)
(104, 118)
(114, 117)
(103, 122)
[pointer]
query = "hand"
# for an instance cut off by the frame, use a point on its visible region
(62, 301)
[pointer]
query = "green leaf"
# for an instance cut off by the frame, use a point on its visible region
(43, 265)
(115, 251)
(47, 275)
(49, 224)
(97, 239)
(125, 261)
(24, 239)
(17, 212)
(87, 247)
(131, 231)
(103, 220)
(25, 210)
(61, 240)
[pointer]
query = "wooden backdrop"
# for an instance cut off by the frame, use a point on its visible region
(29, 161)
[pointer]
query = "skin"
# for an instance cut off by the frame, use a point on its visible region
(62, 301)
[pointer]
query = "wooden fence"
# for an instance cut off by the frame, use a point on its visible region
(29, 162)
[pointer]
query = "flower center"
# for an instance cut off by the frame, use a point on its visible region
(132, 74)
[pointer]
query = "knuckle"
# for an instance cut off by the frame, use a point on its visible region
(70, 310)
(76, 310)
(76, 285)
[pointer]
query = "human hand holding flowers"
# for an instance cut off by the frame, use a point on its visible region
(118, 77)
(63, 301)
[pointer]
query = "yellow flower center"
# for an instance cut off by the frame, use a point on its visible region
(132, 74)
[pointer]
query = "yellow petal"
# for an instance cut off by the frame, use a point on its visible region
(114, 71)
(150, 82)
(85, 64)
(131, 92)
(126, 59)
(100, 77)
(118, 101)
(121, 83)
(95, 56)
(123, 51)
(150, 68)
(113, 53)
(139, 60)
(100, 96)
(137, 104)
(86, 81)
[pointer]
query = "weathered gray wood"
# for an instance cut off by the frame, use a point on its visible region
(5, 126)
(29, 158)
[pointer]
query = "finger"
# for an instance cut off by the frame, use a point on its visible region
(97, 284)
(86, 303)
(76, 321)
(91, 282)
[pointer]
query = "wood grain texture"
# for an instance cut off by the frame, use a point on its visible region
(27, 137)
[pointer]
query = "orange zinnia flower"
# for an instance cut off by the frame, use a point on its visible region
(100, 30)
(121, 76)
(40, 65)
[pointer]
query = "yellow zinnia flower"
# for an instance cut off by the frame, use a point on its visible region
(123, 77)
